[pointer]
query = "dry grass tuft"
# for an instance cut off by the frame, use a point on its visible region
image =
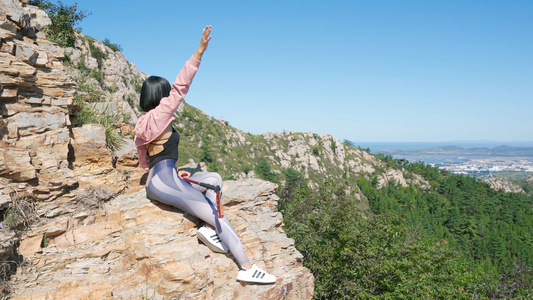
(21, 214)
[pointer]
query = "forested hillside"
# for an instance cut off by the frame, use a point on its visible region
(458, 240)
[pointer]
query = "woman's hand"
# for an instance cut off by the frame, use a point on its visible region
(183, 174)
(203, 43)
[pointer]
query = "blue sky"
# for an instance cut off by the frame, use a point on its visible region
(366, 71)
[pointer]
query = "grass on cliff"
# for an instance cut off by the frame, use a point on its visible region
(112, 46)
(18, 217)
(89, 115)
(216, 143)
(20, 214)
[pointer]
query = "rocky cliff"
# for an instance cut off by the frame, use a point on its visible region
(75, 220)
(503, 185)
(131, 248)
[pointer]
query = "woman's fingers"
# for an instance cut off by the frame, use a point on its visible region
(206, 32)
(204, 41)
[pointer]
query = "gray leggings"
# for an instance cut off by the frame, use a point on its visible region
(164, 185)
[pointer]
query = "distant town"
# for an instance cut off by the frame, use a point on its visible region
(488, 165)
(478, 162)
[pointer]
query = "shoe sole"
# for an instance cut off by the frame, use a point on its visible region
(202, 238)
(256, 281)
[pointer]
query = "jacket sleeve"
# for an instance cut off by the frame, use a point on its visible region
(180, 87)
(143, 157)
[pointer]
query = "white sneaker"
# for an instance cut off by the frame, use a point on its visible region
(255, 274)
(211, 239)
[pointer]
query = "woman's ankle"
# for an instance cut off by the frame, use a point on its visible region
(247, 266)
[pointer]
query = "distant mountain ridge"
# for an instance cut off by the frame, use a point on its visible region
(503, 151)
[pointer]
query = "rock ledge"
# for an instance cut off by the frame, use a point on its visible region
(132, 247)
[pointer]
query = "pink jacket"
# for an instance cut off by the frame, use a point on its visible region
(154, 122)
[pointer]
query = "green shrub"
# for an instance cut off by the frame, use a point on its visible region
(114, 47)
(291, 175)
(137, 86)
(98, 75)
(247, 169)
(348, 143)
(264, 172)
(64, 18)
(98, 54)
(206, 153)
(81, 64)
(316, 150)
(367, 150)
(20, 214)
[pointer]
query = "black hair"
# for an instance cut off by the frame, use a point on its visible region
(153, 90)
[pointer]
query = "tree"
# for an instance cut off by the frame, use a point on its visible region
(113, 46)
(291, 176)
(64, 18)
(264, 171)
(348, 143)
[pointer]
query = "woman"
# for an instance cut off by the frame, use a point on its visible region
(157, 148)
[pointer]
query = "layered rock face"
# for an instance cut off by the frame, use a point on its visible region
(43, 156)
(132, 248)
(36, 102)
(39, 153)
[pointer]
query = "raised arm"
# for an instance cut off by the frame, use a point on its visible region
(181, 85)
(152, 124)
(203, 43)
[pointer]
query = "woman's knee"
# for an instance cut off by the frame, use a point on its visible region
(213, 179)
(218, 178)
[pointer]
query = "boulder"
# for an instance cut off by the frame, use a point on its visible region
(92, 161)
(17, 163)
